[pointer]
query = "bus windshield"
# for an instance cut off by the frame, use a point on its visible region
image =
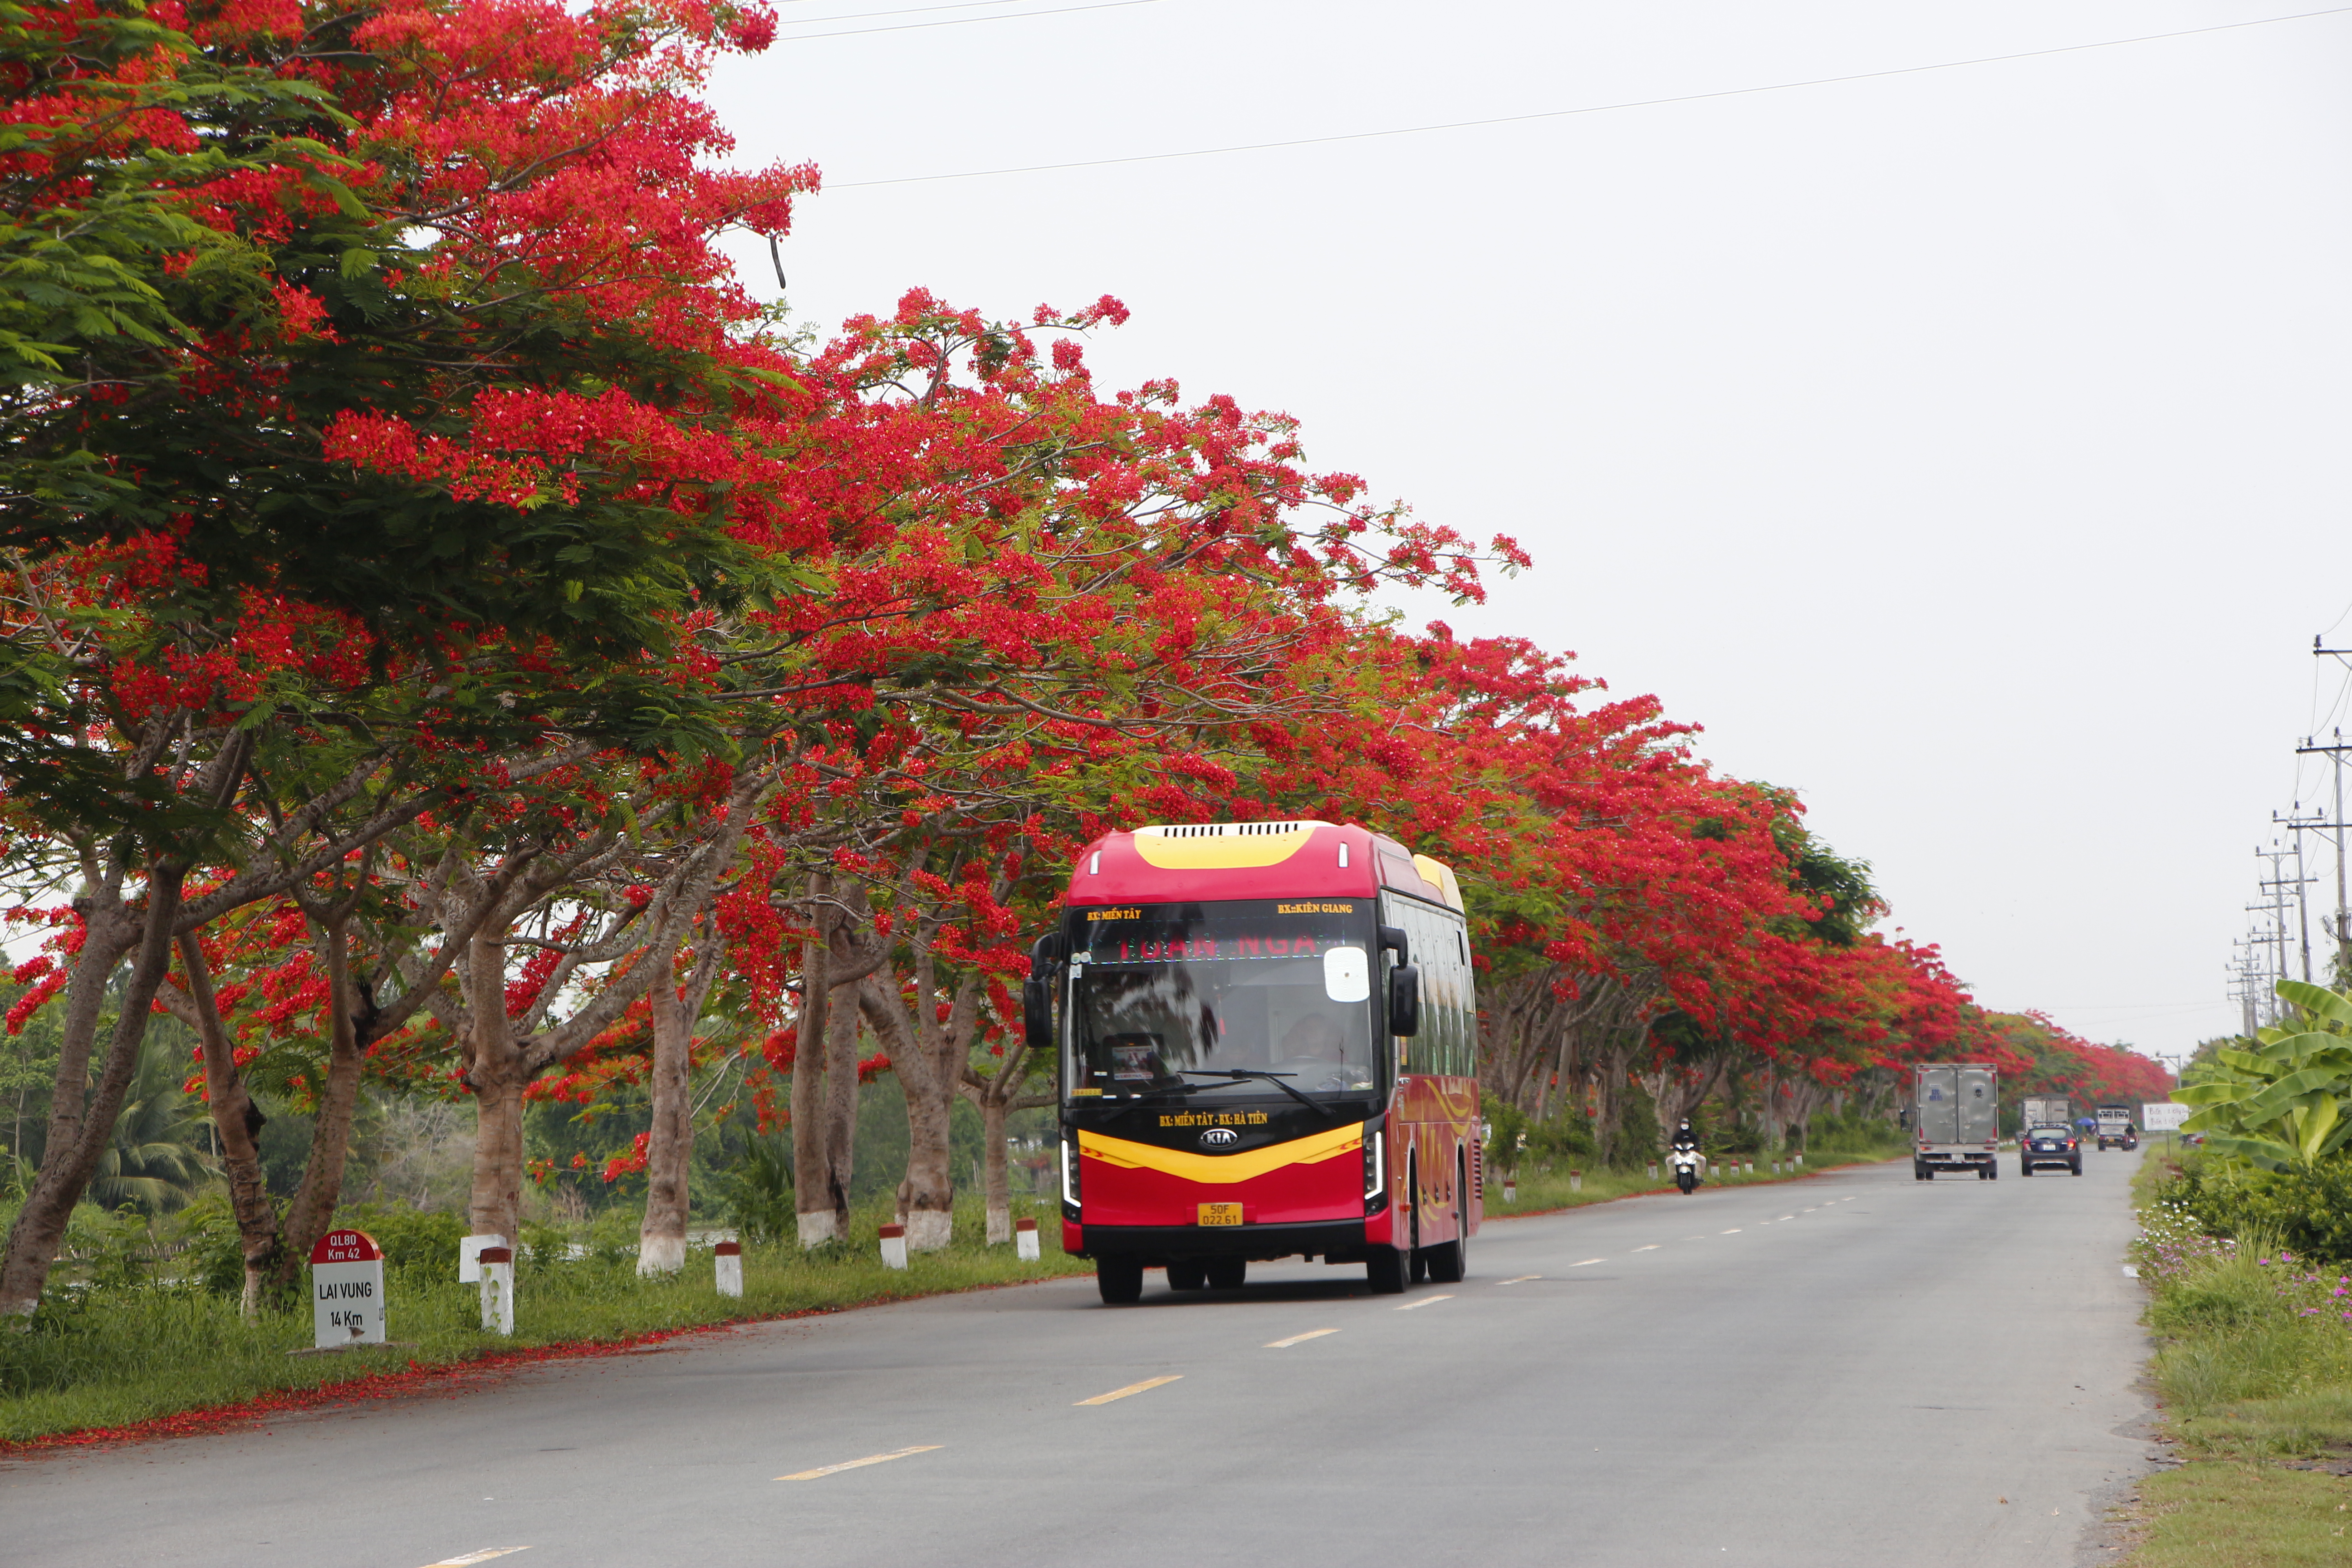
(1161, 992)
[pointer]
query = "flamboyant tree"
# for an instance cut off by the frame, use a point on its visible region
(360, 479)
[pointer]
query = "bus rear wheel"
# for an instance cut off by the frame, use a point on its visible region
(1384, 1269)
(1119, 1279)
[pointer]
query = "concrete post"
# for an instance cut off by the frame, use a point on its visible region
(1024, 1240)
(727, 1261)
(497, 1289)
(894, 1247)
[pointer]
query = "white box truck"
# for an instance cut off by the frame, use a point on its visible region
(1956, 1119)
(2058, 1112)
(2115, 1129)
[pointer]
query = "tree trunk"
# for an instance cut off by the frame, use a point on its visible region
(82, 1120)
(1000, 1190)
(669, 1150)
(928, 1058)
(809, 1153)
(236, 1124)
(840, 1104)
(312, 1213)
(494, 1072)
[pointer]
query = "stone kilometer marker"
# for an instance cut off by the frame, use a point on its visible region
(346, 1290)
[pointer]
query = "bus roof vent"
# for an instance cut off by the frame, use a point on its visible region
(1225, 830)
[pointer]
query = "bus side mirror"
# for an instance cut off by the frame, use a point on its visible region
(1405, 1000)
(1038, 1013)
(1037, 994)
(1393, 940)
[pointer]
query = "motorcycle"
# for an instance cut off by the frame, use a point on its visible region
(1686, 1162)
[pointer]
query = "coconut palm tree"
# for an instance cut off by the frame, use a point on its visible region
(155, 1163)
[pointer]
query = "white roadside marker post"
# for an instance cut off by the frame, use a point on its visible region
(1576, 1180)
(469, 1256)
(1024, 1240)
(1654, 1170)
(894, 1247)
(1510, 1189)
(346, 1290)
(498, 1291)
(727, 1263)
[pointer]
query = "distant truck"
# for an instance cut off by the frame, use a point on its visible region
(2115, 1129)
(2059, 1112)
(1954, 1119)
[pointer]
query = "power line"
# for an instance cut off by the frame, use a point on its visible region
(902, 11)
(953, 21)
(1545, 114)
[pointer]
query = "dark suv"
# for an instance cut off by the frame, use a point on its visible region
(2049, 1146)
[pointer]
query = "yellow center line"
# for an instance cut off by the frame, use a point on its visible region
(1588, 1262)
(823, 1470)
(484, 1555)
(1131, 1388)
(1425, 1302)
(1520, 1281)
(1300, 1339)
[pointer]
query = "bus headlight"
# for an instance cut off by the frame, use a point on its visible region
(1376, 1176)
(1069, 1173)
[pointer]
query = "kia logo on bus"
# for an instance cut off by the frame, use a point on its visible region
(1220, 1138)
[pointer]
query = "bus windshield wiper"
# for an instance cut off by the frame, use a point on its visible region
(1237, 1074)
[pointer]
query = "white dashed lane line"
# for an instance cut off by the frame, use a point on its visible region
(1425, 1302)
(1588, 1262)
(1300, 1339)
(1652, 1247)
(1520, 1281)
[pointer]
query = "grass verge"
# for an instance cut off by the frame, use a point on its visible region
(2221, 1515)
(113, 1364)
(2253, 1369)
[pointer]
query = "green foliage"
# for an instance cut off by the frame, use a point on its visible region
(421, 1239)
(2283, 1104)
(2307, 1209)
(755, 1193)
(214, 1258)
(155, 1161)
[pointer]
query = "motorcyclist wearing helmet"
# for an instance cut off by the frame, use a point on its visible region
(1684, 1137)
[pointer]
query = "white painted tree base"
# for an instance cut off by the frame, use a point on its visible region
(816, 1229)
(1000, 1225)
(927, 1230)
(660, 1255)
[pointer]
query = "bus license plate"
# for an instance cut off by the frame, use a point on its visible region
(1221, 1214)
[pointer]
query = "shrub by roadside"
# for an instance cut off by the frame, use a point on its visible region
(2253, 1367)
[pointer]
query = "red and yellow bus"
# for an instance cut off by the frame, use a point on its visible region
(1268, 1039)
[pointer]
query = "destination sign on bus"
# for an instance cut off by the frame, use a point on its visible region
(1191, 933)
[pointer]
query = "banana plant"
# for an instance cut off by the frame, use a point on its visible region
(2286, 1102)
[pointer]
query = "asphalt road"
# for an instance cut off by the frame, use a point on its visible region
(1856, 1369)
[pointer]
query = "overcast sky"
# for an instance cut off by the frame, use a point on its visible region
(1964, 448)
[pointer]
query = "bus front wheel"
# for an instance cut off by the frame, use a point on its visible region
(1119, 1279)
(1385, 1269)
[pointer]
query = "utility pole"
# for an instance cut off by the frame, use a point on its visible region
(2335, 752)
(2301, 882)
